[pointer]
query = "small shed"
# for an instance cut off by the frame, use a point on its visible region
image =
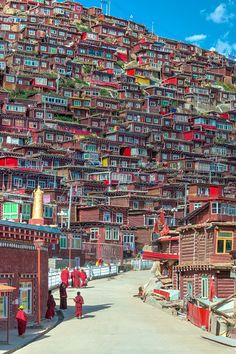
(5, 290)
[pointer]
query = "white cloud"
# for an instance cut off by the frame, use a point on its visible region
(220, 14)
(196, 37)
(224, 47)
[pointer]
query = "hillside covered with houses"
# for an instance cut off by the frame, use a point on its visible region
(131, 137)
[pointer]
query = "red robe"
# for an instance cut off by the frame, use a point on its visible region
(65, 277)
(79, 301)
(21, 321)
(51, 307)
(72, 275)
(83, 277)
(76, 278)
(63, 297)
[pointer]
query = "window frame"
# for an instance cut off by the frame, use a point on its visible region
(205, 287)
(28, 309)
(224, 239)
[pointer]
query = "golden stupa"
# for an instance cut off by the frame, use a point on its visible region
(37, 213)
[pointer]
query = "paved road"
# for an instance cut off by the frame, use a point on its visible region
(117, 323)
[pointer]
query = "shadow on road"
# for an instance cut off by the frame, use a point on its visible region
(95, 308)
(87, 309)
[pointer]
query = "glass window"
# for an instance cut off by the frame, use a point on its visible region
(224, 242)
(26, 211)
(108, 234)
(3, 306)
(26, 296)
(190, 288)
(48, 211)
(42, 184)
(30, 183)
(76, 243)
(150, 221)
(94, 233)
(107, 216)
(63, 242)
(10, 211)
(119, 218)
(204, 289)
(116, 234)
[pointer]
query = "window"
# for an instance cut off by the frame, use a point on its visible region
(33, 125)
(107, 216)
(116, 234)
(10, 211)
(76, 243)
(49, 136)
(19, 123)
(42, 184)
(63, 242)
(94, 233)
(3, 306)
(224, 242)
(108, 234)
(150, 220)
(190, 288)
(39, 114)
(26, 296)
(128, 238)
(135, 204)
(17, 182)
(26, 211)
(30, 183)
(10, 78)
(119, 218)
(204, 288)
(48, 212)
(197, 205)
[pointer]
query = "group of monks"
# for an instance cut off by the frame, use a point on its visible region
(78, 279)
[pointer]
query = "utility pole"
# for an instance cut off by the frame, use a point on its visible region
(69, 209)
(152, 27)
(44, 112)
(58, 79)
(185, 200)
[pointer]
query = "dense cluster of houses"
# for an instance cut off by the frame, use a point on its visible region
(131, 137)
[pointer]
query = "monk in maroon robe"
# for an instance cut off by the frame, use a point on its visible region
(72, 276)
(83, 277)
(79, 301)
(63, 297)
(76, 278)
(50, 306)
(21, 320)
(65, 274)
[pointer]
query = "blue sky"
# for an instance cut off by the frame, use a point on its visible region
(207, 23)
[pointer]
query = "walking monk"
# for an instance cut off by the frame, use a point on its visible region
(63, 297)
(65, 274)
(76, 278)
(79, 301)
(83, 277)
(51, 306)
(21, 320)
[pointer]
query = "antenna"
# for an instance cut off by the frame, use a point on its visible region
(153, 27)
(106, 7)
